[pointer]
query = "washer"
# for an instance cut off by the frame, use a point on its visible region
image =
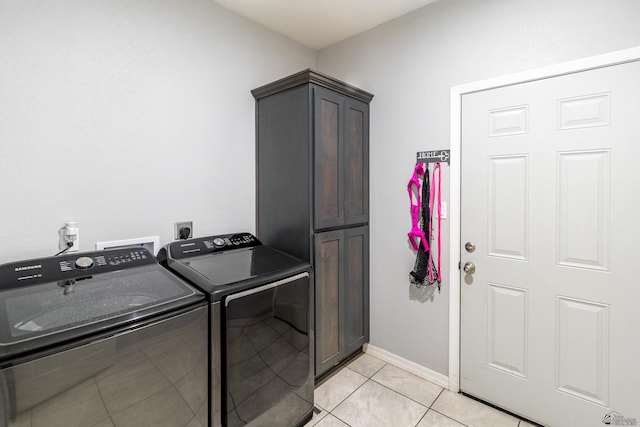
(108, 338)
(261, 330)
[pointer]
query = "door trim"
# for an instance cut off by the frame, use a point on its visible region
(585, 64)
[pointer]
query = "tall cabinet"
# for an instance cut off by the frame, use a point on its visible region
(312, 180)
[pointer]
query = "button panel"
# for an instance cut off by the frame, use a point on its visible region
(127, 258)
(118, 258)
(205, 245)
(71, 266)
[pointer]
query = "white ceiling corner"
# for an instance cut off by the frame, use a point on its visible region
(318, 24)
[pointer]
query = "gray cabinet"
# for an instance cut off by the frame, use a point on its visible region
(341, 150)
(342, 293)
(312, 180)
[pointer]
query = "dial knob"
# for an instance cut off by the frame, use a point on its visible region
(84, 262)
(218, 242)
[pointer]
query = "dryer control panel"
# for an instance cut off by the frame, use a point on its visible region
(205, 245)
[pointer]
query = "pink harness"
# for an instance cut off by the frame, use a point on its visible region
(416, 234)
(425, 272)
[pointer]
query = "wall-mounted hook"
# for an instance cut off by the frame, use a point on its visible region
(436, 156)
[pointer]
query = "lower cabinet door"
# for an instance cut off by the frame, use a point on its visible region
(341, 263)
(355, 289)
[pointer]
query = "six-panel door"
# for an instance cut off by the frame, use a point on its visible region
(549, 318)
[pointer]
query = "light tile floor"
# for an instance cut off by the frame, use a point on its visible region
(369, 392)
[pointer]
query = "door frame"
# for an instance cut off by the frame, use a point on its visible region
(457, 92)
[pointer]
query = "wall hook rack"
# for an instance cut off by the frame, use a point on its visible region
(436, 156)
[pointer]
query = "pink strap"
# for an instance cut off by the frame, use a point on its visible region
(416, 234)
(418, 173)
(431, 203)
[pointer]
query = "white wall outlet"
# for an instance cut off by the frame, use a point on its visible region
(443, 210)
(69, 237)
(183, 230)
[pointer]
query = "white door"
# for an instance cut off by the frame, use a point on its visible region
(550, 320)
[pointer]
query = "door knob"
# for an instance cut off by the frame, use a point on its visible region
(469, 267)
(470, 247)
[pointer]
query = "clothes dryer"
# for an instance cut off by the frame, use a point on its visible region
(261, 330)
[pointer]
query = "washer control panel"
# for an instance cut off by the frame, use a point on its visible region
(205, 245)
(72, 266)
(107, 261)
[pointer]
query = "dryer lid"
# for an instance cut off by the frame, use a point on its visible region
(222, 273)
(239, 265)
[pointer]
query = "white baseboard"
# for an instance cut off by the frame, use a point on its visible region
(402, 363)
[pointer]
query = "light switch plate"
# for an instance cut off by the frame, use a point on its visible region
(443, 210)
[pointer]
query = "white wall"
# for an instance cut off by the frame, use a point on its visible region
(410, 64)
(129, 115)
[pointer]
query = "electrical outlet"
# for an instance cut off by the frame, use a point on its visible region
(183, 230)
(69, 237)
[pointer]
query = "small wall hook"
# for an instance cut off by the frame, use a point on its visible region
(436, 156)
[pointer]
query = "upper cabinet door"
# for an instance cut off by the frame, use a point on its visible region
(356, 162)
(341, 163)
(328, 167)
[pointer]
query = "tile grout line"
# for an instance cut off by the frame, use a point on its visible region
(409, 397)
(448, 417)
(390, 389)
(370, 378)
(436, 399)
(95, 380)
(350, 394)
(379, 369)
(405, 396)
(428, 407)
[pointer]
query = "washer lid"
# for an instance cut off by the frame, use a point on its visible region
(36, 315)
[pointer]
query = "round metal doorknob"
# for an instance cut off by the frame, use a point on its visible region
(469, 267)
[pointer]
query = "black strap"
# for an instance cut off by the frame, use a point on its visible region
(421, 267)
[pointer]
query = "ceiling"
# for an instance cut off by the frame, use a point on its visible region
(321, 23)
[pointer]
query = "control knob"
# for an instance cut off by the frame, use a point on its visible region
(219, 242)
(84, 262)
